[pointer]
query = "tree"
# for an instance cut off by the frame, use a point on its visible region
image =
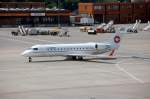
(51, 3)
(70, 4)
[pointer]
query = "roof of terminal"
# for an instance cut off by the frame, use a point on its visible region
(31, 9)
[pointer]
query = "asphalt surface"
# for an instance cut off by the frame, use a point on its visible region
(126, 77)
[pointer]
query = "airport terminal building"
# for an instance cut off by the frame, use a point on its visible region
(119, 12)
(31, 14)
(37, 13)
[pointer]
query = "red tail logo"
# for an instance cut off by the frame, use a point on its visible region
(117, 39)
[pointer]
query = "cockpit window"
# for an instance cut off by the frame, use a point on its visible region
(35, 49)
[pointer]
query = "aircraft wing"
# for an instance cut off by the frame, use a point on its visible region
(83, 55)
(97, 56)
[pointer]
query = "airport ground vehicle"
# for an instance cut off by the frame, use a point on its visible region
(147, 27)
(106, 28)
(39, 31)
(134, 28)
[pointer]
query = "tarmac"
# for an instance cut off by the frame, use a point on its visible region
(126, 77)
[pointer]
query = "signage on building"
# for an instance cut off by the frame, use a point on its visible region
(37, 14)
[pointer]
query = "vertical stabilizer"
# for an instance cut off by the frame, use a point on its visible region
(116, 41)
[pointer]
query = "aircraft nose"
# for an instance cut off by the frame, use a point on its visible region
(25, 53)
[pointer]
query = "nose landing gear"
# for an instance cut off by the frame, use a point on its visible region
(30, 59)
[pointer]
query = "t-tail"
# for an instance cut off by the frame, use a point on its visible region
(117, 40)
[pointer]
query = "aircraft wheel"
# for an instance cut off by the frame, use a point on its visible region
(80, 58)
(130, 31)
(74, 57)
(30, 59)
(135, 31)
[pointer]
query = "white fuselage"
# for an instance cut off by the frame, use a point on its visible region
(80, 49)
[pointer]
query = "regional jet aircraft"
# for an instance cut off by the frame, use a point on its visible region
(74, 51)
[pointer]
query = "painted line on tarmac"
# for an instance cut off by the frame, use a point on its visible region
(38, 39)
(23, 37)
(18, 40)
(129, 74)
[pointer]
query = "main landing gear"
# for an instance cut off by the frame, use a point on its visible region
(30, 59)
(79, 58)
(75, 58)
